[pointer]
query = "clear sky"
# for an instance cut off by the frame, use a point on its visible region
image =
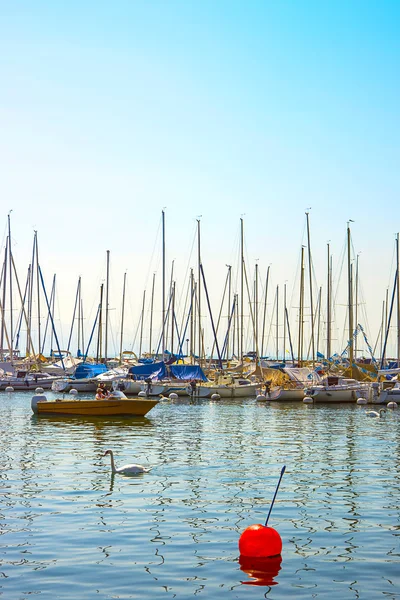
(111, 111)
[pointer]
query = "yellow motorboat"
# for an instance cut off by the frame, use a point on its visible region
(116, 404)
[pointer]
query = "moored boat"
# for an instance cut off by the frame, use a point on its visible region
(225, 386)
(338, 389)
(116, 404)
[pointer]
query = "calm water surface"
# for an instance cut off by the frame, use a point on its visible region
(72, 530)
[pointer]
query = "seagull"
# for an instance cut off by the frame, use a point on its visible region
(126, 469)
(374, 413)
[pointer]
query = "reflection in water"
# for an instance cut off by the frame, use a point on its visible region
(176, 529)
(262, 571)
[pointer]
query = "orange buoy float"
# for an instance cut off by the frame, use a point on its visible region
(261, 541)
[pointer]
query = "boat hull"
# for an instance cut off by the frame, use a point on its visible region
(226, 391)
(282, 395)
(134, 407)
(332, 395)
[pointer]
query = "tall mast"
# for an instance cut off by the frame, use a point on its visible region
(199, 288)
(256, 309)
(398, 300)
(38, 293)
(284, 323)
(151, 314)
(107, 308)
(3, 324)
(229, 308)
(356, 309)
(11, 298)
(234, 326)
(237, 324)
(350, 300)
(328, 308)
(122, 319)
(163, 285)
(241, 289)
(80, 340)
(311, 292)
(277, 322)
(191, 315)
(301, 308)
(172, 317)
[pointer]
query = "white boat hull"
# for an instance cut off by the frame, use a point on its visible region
(286, 395)
(165, 389)
(226, 391)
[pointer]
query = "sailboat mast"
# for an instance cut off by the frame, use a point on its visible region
(122, 319)
(107, 308)
(356, 309)
(11, 295)
(328, 308)
(172, 318)
(311, 291)
(241, 289)
(301, 308)
(284, 323)
(199, 288)
(163, 285)
(191, 315)
(38, 294)
(350, 300)
(256, 308)
(3, 324)
(80, 341)
(398, 300)
(277, 322)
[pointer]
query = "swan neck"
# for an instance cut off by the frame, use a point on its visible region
(113, 467)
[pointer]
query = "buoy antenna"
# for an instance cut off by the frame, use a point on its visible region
(276, 491)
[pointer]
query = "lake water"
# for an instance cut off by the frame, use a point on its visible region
(72, 530)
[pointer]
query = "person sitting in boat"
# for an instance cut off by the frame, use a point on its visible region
(101, 393)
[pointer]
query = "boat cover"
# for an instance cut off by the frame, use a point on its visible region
(188, 372)
(154, 371)
(86, 370)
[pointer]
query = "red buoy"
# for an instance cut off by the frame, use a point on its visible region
(259, 541)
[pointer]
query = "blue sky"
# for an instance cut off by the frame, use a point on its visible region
(111, 111)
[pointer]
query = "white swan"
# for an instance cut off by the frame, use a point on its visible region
(126, 469)
(373, 413)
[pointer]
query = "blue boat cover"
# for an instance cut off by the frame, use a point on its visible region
(188, 372)
(86, 370)
(154, 371)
